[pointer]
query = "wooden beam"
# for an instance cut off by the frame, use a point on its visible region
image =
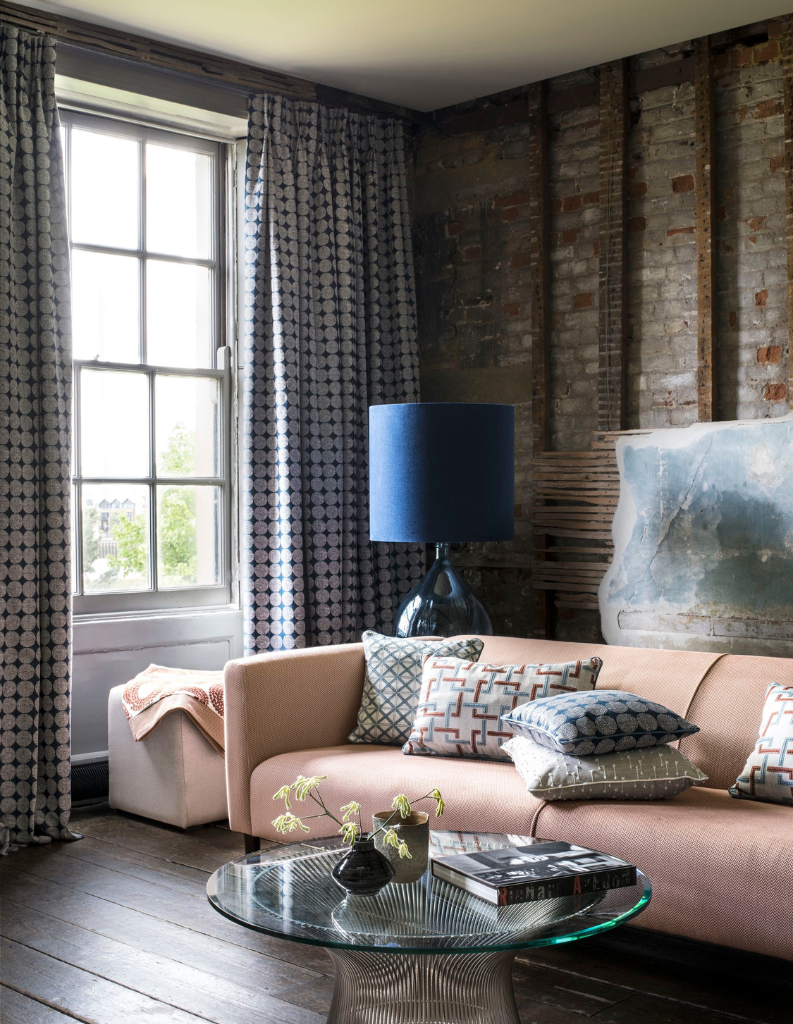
(674, 73)
(612, 272)
(787, 78)
(180, 59)
(539, 265)
(540, 276)
(707, 371)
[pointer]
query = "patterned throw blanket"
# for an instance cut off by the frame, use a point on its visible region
(157, 691)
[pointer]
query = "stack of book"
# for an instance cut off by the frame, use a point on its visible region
(543, 870)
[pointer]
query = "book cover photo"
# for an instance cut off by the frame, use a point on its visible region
(543, 870)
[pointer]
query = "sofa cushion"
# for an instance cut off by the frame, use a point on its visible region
(598, 723)
(655, 774)
(727, 708)
(393, 680)
(768, 772)
(461, 703)
(481, 796)
(720, 868)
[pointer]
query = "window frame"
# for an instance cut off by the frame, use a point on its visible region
(153, 599)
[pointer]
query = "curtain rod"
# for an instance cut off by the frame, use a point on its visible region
(230, 75)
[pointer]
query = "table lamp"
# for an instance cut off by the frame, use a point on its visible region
(441, 473)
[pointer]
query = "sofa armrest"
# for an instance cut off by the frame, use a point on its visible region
(284, 701)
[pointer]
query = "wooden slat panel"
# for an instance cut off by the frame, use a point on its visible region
(612, 272)
(707, 401)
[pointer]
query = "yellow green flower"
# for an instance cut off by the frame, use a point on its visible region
(288, 823)
(349, 809)
(283, 794)
(441, 805)
(349, 831)
(303, 786)
(401, 804)
(390, 838)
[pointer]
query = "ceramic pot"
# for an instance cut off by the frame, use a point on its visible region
(364, 870)
(415, 831)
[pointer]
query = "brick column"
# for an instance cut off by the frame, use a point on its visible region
(612, 306)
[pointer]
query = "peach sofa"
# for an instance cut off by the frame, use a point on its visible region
(721, 869)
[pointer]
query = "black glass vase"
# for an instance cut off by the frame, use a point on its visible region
(364, 870)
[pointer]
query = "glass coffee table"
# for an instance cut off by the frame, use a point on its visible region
(412, 954)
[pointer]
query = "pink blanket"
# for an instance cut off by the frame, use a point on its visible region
(157, 691)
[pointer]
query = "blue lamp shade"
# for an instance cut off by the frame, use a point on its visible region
(441, 472)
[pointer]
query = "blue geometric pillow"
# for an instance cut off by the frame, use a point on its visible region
(597, 722)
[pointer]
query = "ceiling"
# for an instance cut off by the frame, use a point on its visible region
(423, 54)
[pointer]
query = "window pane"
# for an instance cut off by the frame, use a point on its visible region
(104, 189)
(186, 414)
(178, 202)
(114, 423)
(188, 543)
(115, 537)
(105, 304)
(178, 311)
(73, 538)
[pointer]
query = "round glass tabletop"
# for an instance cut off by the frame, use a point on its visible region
(288, 892)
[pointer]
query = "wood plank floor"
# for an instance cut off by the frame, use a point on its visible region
(116, 928)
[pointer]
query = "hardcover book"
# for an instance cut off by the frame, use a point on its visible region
(541, 871)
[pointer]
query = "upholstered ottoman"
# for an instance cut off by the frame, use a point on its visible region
(173, 775)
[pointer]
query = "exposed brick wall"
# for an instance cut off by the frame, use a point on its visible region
(470, 209)
(662, 254)
(751, 270)
(574, 180)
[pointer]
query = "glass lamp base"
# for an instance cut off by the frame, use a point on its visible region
(442, 604)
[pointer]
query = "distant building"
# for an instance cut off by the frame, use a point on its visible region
(107, 507)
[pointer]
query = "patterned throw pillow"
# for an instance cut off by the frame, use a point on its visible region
(598, 723)
(393, 680)
(652, 774)
(459, 713)
(768, 772)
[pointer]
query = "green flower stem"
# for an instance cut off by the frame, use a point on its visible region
(318, 800)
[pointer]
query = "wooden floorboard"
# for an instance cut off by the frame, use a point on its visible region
(151, 974)
(116, 928)
(19, 1009)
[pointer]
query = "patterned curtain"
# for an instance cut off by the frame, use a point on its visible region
(35, 427)
(330, 328)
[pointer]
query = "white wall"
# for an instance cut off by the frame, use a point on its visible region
(110, 651)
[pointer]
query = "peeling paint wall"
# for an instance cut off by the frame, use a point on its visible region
(703, 540)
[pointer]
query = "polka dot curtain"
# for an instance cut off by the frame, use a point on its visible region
(329, 329)
(35, 418)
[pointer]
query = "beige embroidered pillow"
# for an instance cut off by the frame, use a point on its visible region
(652, 773)
(459, 712)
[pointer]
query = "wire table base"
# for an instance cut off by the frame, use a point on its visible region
(428, 988)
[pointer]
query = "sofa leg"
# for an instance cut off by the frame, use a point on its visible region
(252, 843)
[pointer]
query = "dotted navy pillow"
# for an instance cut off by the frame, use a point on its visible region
(598, 722)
